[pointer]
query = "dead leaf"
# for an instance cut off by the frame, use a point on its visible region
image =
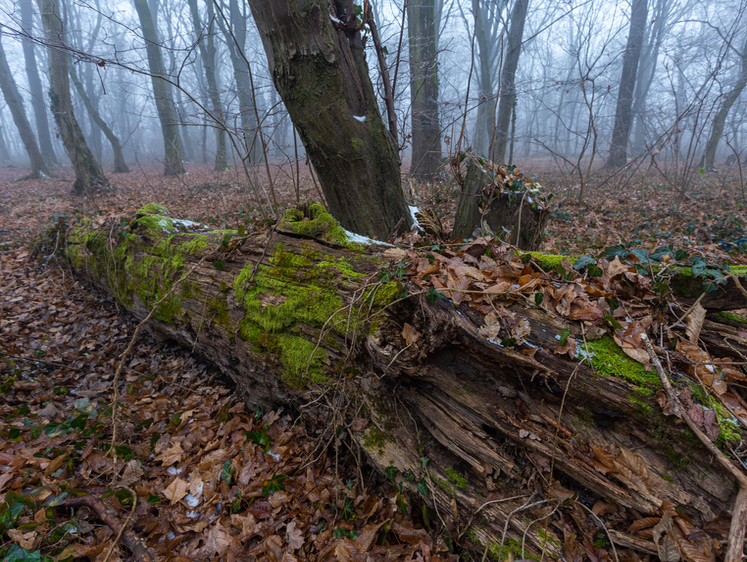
(410, 334)
(176, 490)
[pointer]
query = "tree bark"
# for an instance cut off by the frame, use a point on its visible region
(508, 82)
(206, 44)
(623, 116)
(35, 87)
(717, 129)
(426, 129)
(88, 173)
(320, 71)
(120, 166)
(15, 104)
(474, 429)
(164, 105)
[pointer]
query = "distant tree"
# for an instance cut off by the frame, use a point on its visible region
(507, 102)
(15, 104)
(426, 130)
(623, 113)
(164, 105)
(206, 43)
(319, 68)
(88, 173)
(35, 87)
(120, 166)
(717, 128)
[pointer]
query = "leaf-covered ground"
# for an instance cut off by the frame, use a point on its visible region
(214, 481)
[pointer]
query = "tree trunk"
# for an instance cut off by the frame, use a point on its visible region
(164, 105)
(206, 44)
(717, 129)
(88, 173)
(508, 82)
(120, 166)
(15, 104)
(294, 316)
(4, 152)
(485, 122)
(35, 87)
(623, 116)
(319, 69)
(426, 129)
(235, 39)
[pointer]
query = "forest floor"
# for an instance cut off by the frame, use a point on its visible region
(215, 481)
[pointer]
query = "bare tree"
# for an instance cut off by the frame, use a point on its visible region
(319, 68)
(717, 127)
(15, 104)
(206, 43)
(88, 173)
(623, 115)
(508, 81)
(35, 87)
(426, 130)
(173, 164)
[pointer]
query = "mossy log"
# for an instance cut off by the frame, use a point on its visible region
(297, 315)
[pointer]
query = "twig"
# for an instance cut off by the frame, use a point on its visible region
(735, 548)
(129, 539)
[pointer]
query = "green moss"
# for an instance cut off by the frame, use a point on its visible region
(547, 261)
(609, 360)
(317, 223)
(384, 295)
(374, 439)
(732, 316)
(151, 209)
(458, 481)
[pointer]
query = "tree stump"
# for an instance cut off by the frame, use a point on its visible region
(498, 199)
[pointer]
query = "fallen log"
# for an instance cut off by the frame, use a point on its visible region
(509, 449)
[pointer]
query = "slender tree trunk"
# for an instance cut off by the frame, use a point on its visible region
(35, 87)
(206, 44)
(4, 152)
(164, 105)
(15, 104)
(717, 129)
(485, 122)
(320, 71)
(88, 173)
(426, 130)
(623, 115)
(120, 166)
(235, 37)
(508, 80)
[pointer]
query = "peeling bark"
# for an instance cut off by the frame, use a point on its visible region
(483, 428)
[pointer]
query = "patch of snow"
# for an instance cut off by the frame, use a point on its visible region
(173, 471)
(193, 514)
(187, 224)
(710, 368)
(171, 535)
(191, 500)
(413, 210)
(496, 342)
(275, 456)
(334, 19)
(361, 118)
(360, 239)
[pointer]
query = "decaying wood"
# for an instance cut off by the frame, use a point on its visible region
(416, 384)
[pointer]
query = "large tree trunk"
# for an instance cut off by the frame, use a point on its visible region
(717, 129)
(15, 104)
(426, 129)
(164, 105)
(623, 116)
(206, 42)
(35, 87)
(319, 69)
(508, 82)
(88, 173)
(296, 316)
(120, 166)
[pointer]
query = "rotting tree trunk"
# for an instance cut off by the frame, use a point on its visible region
(472, 423)
(88, 173)
(319, 68)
